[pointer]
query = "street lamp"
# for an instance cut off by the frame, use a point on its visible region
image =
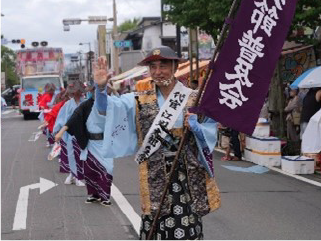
(90, 61)
(96, 20)
(91, 20)
(86, 43)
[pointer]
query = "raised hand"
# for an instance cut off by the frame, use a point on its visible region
(101, 75)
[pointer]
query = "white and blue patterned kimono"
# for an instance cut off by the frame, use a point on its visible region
(98, 170)
(67, 140)
(3, 105)
(120, 137)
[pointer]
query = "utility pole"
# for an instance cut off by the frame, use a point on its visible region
(80, 66)
(193, 52)
(178, 40)
(115, 37)
(90, 65)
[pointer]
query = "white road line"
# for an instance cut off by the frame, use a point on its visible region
(126, 208)
(304, 179)
(7, 112)
(10, 117)
(297, 177)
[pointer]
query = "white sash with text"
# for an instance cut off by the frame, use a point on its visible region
(166, 117)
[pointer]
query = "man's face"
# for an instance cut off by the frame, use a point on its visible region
(162, 72)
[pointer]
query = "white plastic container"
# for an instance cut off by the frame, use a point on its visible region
(263, 144)
(248, 155)
(263, 159)
(298, 164)
(268, 160)
(262, 129)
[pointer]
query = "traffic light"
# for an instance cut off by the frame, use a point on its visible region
(23, 42)
(15, 41)
(91, 55)
(19, 41)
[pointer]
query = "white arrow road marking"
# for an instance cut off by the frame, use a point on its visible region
(20, 218)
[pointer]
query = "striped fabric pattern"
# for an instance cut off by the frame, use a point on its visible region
(98, 180)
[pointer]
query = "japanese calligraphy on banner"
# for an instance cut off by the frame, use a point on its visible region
(242, 73)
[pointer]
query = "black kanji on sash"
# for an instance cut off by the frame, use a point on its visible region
(167, 115)
(153, 138)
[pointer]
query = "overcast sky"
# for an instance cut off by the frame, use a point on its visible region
(41, 20)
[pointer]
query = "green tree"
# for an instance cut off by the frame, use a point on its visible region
(8, 65)
(207, 15)
(128, 25)
(307, 16)
(210, 15)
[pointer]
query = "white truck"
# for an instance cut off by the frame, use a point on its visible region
(37, 67)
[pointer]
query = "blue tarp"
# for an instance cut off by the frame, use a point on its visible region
(253, 169)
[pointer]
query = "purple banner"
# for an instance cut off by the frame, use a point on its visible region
(242, 73)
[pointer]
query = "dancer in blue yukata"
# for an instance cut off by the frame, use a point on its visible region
(150, 124)
(87, 125)
(70, 151)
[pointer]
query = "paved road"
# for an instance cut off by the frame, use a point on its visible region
(254, 206)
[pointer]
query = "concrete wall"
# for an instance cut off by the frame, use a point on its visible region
(129, 59)
(151, 38)
(169, 30)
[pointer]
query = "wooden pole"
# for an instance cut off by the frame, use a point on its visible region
(115, 37)
(186, 131)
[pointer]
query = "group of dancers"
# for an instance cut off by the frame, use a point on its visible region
(64, 116)
(149, 124)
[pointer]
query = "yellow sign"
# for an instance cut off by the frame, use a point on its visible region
(156, 52)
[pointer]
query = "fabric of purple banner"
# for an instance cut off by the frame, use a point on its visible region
(242, 73)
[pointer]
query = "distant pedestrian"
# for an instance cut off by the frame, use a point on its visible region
(14, 97)
(293, 112)
(233, 144)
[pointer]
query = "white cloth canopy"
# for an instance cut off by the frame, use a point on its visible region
(311, 138)
(127, 74)
(130, 74)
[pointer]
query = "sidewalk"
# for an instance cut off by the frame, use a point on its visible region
(314, 179)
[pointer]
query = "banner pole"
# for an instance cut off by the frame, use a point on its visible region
(186, 131)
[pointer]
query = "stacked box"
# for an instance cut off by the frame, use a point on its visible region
(264, 151)
(262, 129)
(298, 164)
